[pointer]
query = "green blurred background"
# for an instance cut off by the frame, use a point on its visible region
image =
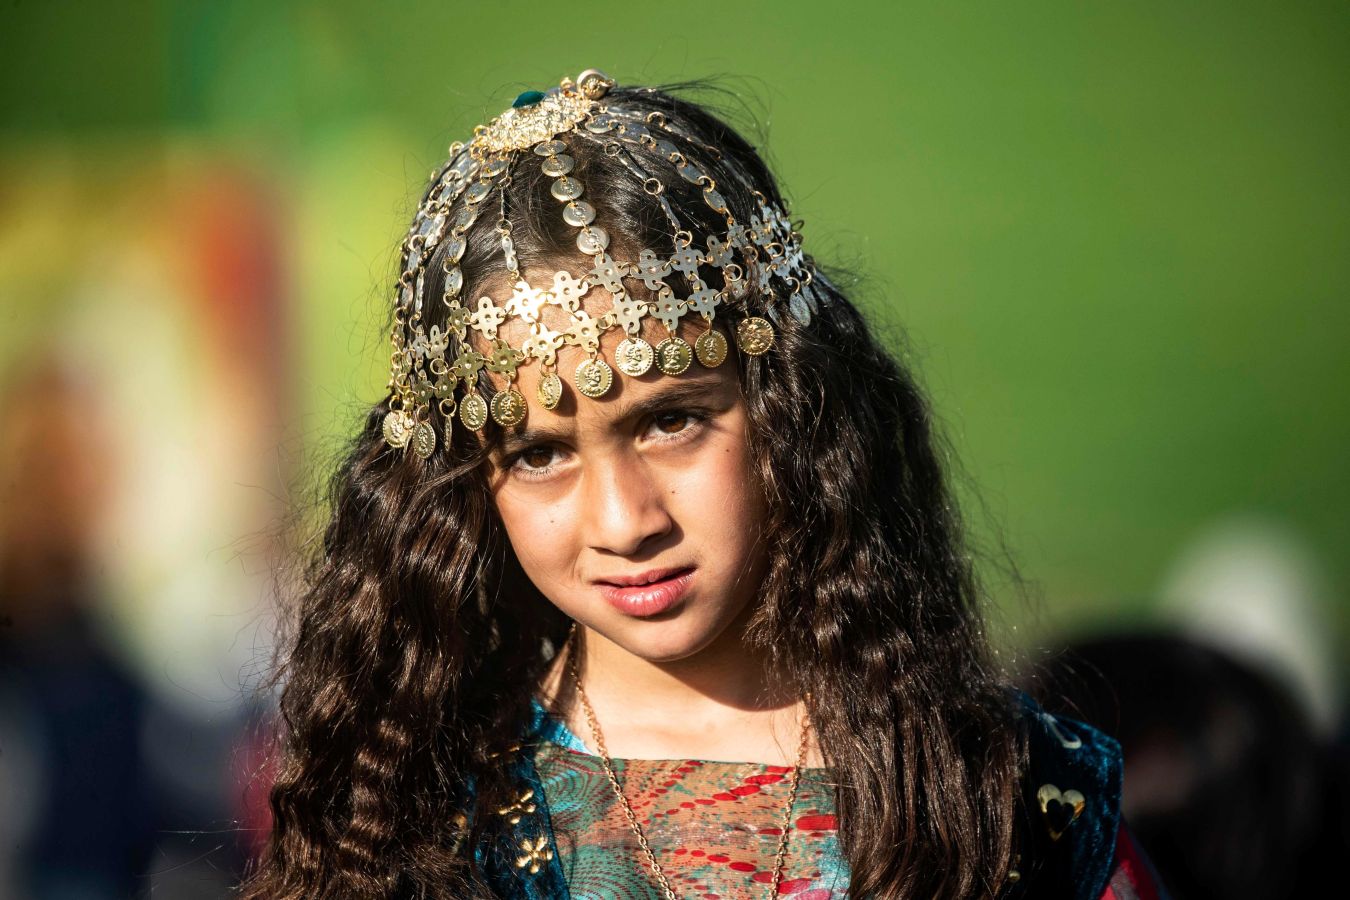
(1115, 233)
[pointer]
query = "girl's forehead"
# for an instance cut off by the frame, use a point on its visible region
(629, 401)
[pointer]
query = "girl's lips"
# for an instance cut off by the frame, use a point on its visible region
(648, 599)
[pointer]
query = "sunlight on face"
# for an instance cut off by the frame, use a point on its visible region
(652, 477)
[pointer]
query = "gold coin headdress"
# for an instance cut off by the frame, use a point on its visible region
(427, 366)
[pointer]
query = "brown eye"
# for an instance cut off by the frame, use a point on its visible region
(537, 457)
(533, 462)
(672, 423)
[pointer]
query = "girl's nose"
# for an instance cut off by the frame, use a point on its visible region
(625, 507)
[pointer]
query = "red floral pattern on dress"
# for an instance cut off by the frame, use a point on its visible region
(714, 827)
(1131, 875)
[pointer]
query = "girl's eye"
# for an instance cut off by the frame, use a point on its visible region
(536, 457)
(532, 462)
(666, 428)
(677, 424)
(663, 420)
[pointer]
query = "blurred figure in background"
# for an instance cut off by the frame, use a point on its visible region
(97, 793)
(1227, 784)
(141, 462)
(77, 803)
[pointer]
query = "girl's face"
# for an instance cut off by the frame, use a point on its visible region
(651, 481)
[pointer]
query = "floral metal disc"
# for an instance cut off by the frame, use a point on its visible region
(754, 335)
(578, 213)
(634, 356)
(594, 376)
(557, 166)
(673, 355)
(711, 348)
(473, 412)
(550, 390)
(398, 428)
(508, 407)
(424, 439)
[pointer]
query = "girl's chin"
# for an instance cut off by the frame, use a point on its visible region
(663, 641)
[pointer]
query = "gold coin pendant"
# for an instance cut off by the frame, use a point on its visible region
(711, 348)
(594, 376)
(550, 390)
(634, 356)
(754, 335)
(508, 407)
(473, 412)
(397, 428)
(673, 355)
(424, 439)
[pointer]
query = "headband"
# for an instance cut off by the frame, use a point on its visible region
(427, 367)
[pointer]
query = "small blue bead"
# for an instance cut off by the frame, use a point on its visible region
(528, 98)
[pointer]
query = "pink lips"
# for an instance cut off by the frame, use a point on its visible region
(630, 595)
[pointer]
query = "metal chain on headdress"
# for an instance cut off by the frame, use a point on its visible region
(748, 255)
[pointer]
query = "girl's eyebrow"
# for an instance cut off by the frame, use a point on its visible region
(677, 394)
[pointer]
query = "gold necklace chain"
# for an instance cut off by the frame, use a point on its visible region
(628, 810)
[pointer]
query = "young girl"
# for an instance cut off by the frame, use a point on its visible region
(700, 627)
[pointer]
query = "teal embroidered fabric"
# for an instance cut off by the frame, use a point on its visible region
(714, 826)
(560, 841)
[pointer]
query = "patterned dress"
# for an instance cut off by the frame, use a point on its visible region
(714, 827)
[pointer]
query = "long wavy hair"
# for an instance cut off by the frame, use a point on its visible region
(415, 640)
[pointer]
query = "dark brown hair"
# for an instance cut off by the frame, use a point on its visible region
(416, 639)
